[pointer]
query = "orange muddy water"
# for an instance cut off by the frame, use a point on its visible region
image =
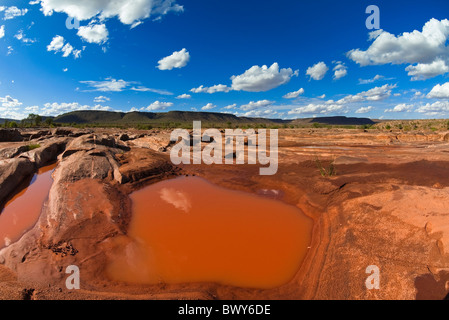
(21, 213)
(189, 230)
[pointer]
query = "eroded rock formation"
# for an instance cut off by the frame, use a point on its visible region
(386, 205)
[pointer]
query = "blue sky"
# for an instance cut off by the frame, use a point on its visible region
(276, 59)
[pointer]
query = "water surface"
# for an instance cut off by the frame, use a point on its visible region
(21, 212)
(189, 230)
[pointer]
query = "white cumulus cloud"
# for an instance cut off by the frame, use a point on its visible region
(425, 51)
(439, 91)
(108, 85)
(260, 113)
(9, 102)
(12, 12)
(94, 33)
(208, 106)
(184, 96)
(294, 94)
(158, 106)
(314, 108)
(213, 89)
(128, 12)
(403, 107)
(438, 108)
(317, 71)
(100, 99)
(58, 45)
(55, 109)
(256, 105)
(377, 77)
(259, 79)
(177, 59)
(423, 71)
(231, 106)
(158, 91)
(113, 85)
(364, 109)
(345, 104)
(131, 13)
(340, 71)
(66, 50)
(374, 94)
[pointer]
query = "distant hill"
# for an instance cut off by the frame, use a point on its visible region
(2, 120)
(108, 117)
(338, 121)
(187, 117)
(82, 117)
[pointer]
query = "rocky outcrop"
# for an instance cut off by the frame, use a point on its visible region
(124, 137)
(92, 164)
(40, 134)
(402, 230)
(90, 141)
(139, 165)
(446, 137)
(101, 157)
(8, 153)
(386, 206)
(46, 153)
(83, 210)
(63, 132)
(73, 229)
(12, 173)
(33, 134)
(418, 137)
(158, 142)
(10, 135)
(92, 156)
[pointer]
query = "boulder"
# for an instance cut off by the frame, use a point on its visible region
(80, 133)
(140, 165)
(106, 140)
(40, 134)
(62, 132)
(10, 135)
(124, 137)
(92, 141)
(12, 173)
(8, 153)
(46, 153)
(92, 164)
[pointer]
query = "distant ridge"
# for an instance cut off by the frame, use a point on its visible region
(183, 117)
(338, 120)
(2, 120)
(100, 117)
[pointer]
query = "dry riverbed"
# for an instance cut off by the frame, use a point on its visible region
(385, 204)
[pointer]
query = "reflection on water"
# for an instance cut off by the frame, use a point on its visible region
(189, 230)
(21, 213)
